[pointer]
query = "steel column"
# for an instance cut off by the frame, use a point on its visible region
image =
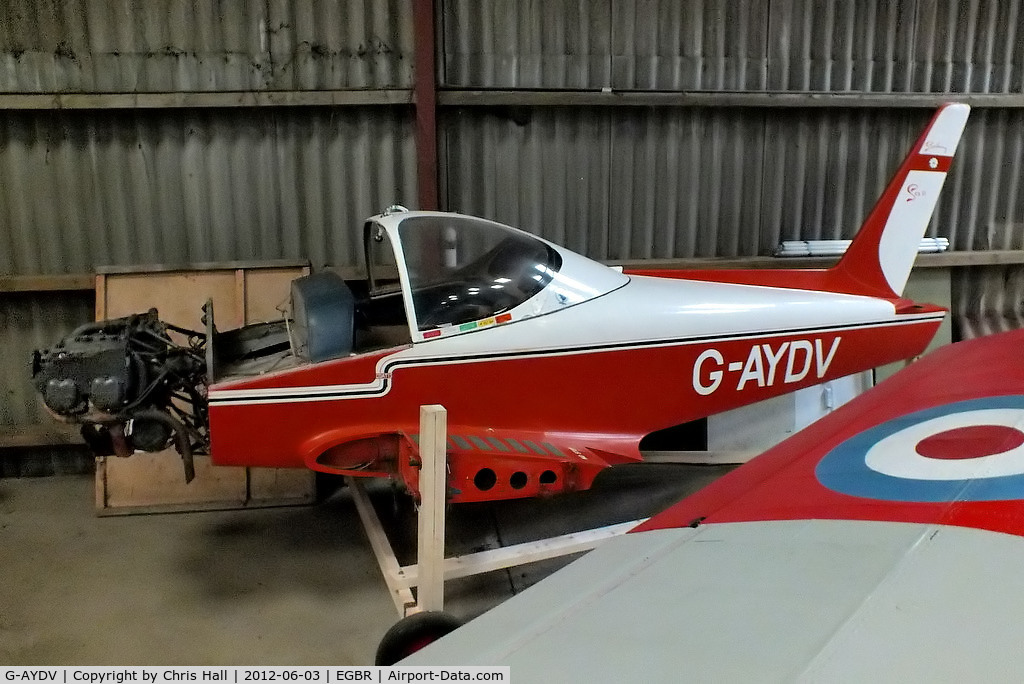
(425, 96)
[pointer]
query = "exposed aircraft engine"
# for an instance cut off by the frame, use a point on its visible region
(129, 385)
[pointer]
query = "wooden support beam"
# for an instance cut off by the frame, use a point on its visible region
(400, 592)
(432, 568)
(433, 500)
(520, 554)
(73, 282)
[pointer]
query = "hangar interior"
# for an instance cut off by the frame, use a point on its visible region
(199, 134)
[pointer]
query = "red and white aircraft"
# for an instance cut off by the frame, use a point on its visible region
(553, 366)
(881, 543)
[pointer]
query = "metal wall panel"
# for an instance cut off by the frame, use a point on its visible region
(694, 45)
(721, 45)
(982, 205)
(859, 45)
(31, 321)
(685, 183)
(825, 169)
(84, 189)
(972, 47)
(987, 300)
(134, 46)
(632, 183)
(544, 170)
(525, 43)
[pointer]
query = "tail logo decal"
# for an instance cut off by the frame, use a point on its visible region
(914, 192)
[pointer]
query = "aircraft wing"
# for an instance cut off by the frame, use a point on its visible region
(882, 543)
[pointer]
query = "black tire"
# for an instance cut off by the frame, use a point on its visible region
(412, 633)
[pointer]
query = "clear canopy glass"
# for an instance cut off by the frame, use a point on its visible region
(463, 269)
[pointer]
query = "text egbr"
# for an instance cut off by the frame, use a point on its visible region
(765, 365)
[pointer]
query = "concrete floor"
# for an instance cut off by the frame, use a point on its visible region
(276, 586)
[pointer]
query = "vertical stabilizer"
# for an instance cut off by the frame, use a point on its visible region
(879, 260)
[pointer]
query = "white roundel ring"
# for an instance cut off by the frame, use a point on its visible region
(964, 451)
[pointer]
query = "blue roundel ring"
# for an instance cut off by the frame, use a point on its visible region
(844, 468)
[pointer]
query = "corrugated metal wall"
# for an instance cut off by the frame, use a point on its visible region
(987, 300)
(734, 181)
(30, 321)
(84, 188)
(723, 45)
(633, 183)
(135, 46)
(525, 43)
(187, 186)
(88, 188)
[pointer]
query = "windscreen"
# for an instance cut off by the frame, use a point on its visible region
(463, 269)
(380, 261)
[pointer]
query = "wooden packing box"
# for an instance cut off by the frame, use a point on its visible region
(242, 293)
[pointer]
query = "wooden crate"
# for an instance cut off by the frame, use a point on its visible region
(242, 293)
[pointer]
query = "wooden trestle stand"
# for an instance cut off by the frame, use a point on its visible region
(433, 568)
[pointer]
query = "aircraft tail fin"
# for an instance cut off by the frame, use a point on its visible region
(881, 255)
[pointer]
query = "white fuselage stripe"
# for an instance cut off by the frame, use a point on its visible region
(381, 385)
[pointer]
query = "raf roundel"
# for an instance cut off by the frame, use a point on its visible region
(964, 451)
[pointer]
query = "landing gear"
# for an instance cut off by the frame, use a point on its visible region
(412, 633)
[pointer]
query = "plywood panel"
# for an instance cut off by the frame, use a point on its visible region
(277, 484)
(145, 483)
(179, 296)
(266, 293)
(156, 482)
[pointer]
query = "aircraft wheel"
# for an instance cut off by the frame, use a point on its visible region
(412, 633)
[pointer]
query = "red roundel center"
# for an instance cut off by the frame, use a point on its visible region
(974, 441)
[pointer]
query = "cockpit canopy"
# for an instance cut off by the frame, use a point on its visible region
(462, 270)
(460, 273)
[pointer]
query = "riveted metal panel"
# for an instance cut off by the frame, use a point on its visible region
(86, 189)
(113, 46)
